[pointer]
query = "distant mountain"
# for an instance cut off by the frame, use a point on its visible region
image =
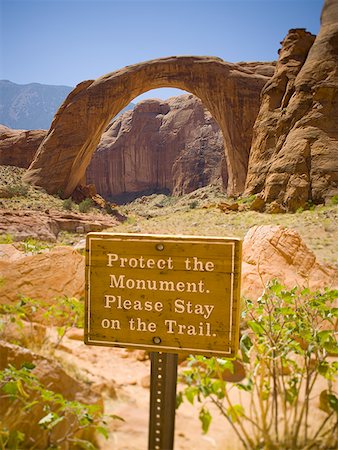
(31, 106)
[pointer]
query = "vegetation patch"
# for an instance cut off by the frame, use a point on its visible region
(286, 350)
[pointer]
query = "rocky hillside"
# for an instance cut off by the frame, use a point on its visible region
(173, 145)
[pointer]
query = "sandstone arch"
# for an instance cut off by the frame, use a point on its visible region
(229, 91)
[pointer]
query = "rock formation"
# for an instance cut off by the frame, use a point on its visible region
(18, 147)
(172, 145)
(229, 91)
(274, 252)
(47, 225)
(294, 154)
(62, 269)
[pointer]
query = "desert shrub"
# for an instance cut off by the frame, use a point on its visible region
(334, 200)
(246, 200)
(17, 190)
(285, 350)
(31, 245)
(165, 200)
(26, 397)
(6, 239)
(193, 204)
(68, 204)
(85, 205)
(64, 313)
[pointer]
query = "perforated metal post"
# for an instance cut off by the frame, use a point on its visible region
(162, 400)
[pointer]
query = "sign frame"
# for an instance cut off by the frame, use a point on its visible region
(180, 243)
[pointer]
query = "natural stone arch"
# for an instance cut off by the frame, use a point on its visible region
(229, 91)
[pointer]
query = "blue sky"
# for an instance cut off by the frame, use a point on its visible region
(66, 41)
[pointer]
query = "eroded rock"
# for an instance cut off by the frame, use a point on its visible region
(23, 224)
(173, 145)
(18, 147)
(46, 276)
(274, 252)
(229, 91)
(294, 154)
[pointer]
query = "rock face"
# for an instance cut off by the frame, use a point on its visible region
(274, 252)
(47, 225)
(172, 145)
(18, 147)
(229, 91)
(45, 276)
(294, 154)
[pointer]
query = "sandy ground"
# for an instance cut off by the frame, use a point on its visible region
(120, 370)
(122, 376)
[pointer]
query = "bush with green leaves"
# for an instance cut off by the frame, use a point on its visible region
(193, 204)
(85, 205)
(68, 204)
(63, 423)
(289, 350)
(31, 245)
(6, 238)
(334, 200)
(65, 313)
(17, 190)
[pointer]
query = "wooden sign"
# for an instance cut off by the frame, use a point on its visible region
(163, 293)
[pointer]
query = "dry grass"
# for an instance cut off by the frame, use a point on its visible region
(167, 215)
(193, 214)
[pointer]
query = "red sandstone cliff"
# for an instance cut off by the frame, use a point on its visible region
(170, 145)
(294, 154)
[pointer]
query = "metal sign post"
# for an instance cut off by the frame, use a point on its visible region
(167, 295)
(162, 400)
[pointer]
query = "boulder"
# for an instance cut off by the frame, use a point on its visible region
(46, 276)
(294, 153)
(9, 253)
(274, 252)
(18, 147)
(45, 226)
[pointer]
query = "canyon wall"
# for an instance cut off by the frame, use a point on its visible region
(162, 145)
(294, 153)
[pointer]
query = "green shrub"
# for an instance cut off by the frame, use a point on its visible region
(31, 245)
(27, 397)
(247, 200)
(64, 313)
(85, 205)
(17, 190)
(68, 204)
(290, 336)
(193, 204)
(6, 239)
(334, 200)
